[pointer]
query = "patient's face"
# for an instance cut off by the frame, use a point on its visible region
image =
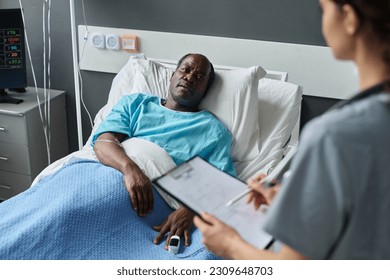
(189, 82)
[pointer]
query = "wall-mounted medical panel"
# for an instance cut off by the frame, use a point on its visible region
(312, 67)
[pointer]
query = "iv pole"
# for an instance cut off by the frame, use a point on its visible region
(76, 76)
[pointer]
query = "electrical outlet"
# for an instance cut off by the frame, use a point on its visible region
(113, 42)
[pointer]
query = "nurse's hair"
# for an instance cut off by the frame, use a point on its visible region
(376, 14)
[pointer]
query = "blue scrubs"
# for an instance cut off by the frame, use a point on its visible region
(182, 134)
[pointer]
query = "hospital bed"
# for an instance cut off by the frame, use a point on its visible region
(259, 108)
(79, 209)
(56, 219)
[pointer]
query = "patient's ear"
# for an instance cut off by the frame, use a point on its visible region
(351, 20)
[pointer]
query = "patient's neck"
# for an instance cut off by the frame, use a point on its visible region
(170, 104)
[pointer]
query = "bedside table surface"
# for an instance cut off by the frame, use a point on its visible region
(29, 101)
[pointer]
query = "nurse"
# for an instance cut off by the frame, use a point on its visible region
(336, 202)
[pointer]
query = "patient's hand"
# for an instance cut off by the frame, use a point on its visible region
(110, 153)
(140, 189)
(177, 223)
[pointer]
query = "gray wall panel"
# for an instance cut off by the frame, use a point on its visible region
(295, 21)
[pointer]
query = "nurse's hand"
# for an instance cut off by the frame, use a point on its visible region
(139, 187)
(261, 195)
(217, 237)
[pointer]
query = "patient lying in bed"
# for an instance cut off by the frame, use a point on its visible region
(61, 218)
(79, 208)
(177, 125)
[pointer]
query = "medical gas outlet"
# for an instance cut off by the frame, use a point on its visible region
(98, 40)
(115, 42)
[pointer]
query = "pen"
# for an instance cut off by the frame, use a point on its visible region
(265, 184)
(238, 197)
(241, 195)
(268, 181)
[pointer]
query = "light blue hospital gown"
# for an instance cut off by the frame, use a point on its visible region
(336, 203)
(182, 134)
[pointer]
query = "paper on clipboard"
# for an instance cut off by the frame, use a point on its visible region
(202, 187)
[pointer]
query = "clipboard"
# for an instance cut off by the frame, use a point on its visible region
(202, 187)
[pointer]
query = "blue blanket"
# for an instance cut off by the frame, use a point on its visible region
(83, 211)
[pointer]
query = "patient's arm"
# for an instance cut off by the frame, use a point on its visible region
(110, 153)
(178, 222)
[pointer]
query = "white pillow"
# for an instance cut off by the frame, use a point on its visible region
(232, 99)
(153, 160)
(279, 107)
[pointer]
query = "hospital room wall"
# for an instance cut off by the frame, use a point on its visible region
(297, 21)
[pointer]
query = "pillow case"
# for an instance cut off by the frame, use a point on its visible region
(279, 105)
(232, 99)
(279, 108)
(153, 160)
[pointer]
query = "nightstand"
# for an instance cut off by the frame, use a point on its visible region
(23, 152)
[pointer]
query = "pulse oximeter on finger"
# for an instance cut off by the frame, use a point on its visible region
(174, 244)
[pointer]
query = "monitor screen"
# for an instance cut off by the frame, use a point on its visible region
(12, 54)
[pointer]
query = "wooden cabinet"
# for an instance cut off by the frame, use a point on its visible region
(23, 149)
